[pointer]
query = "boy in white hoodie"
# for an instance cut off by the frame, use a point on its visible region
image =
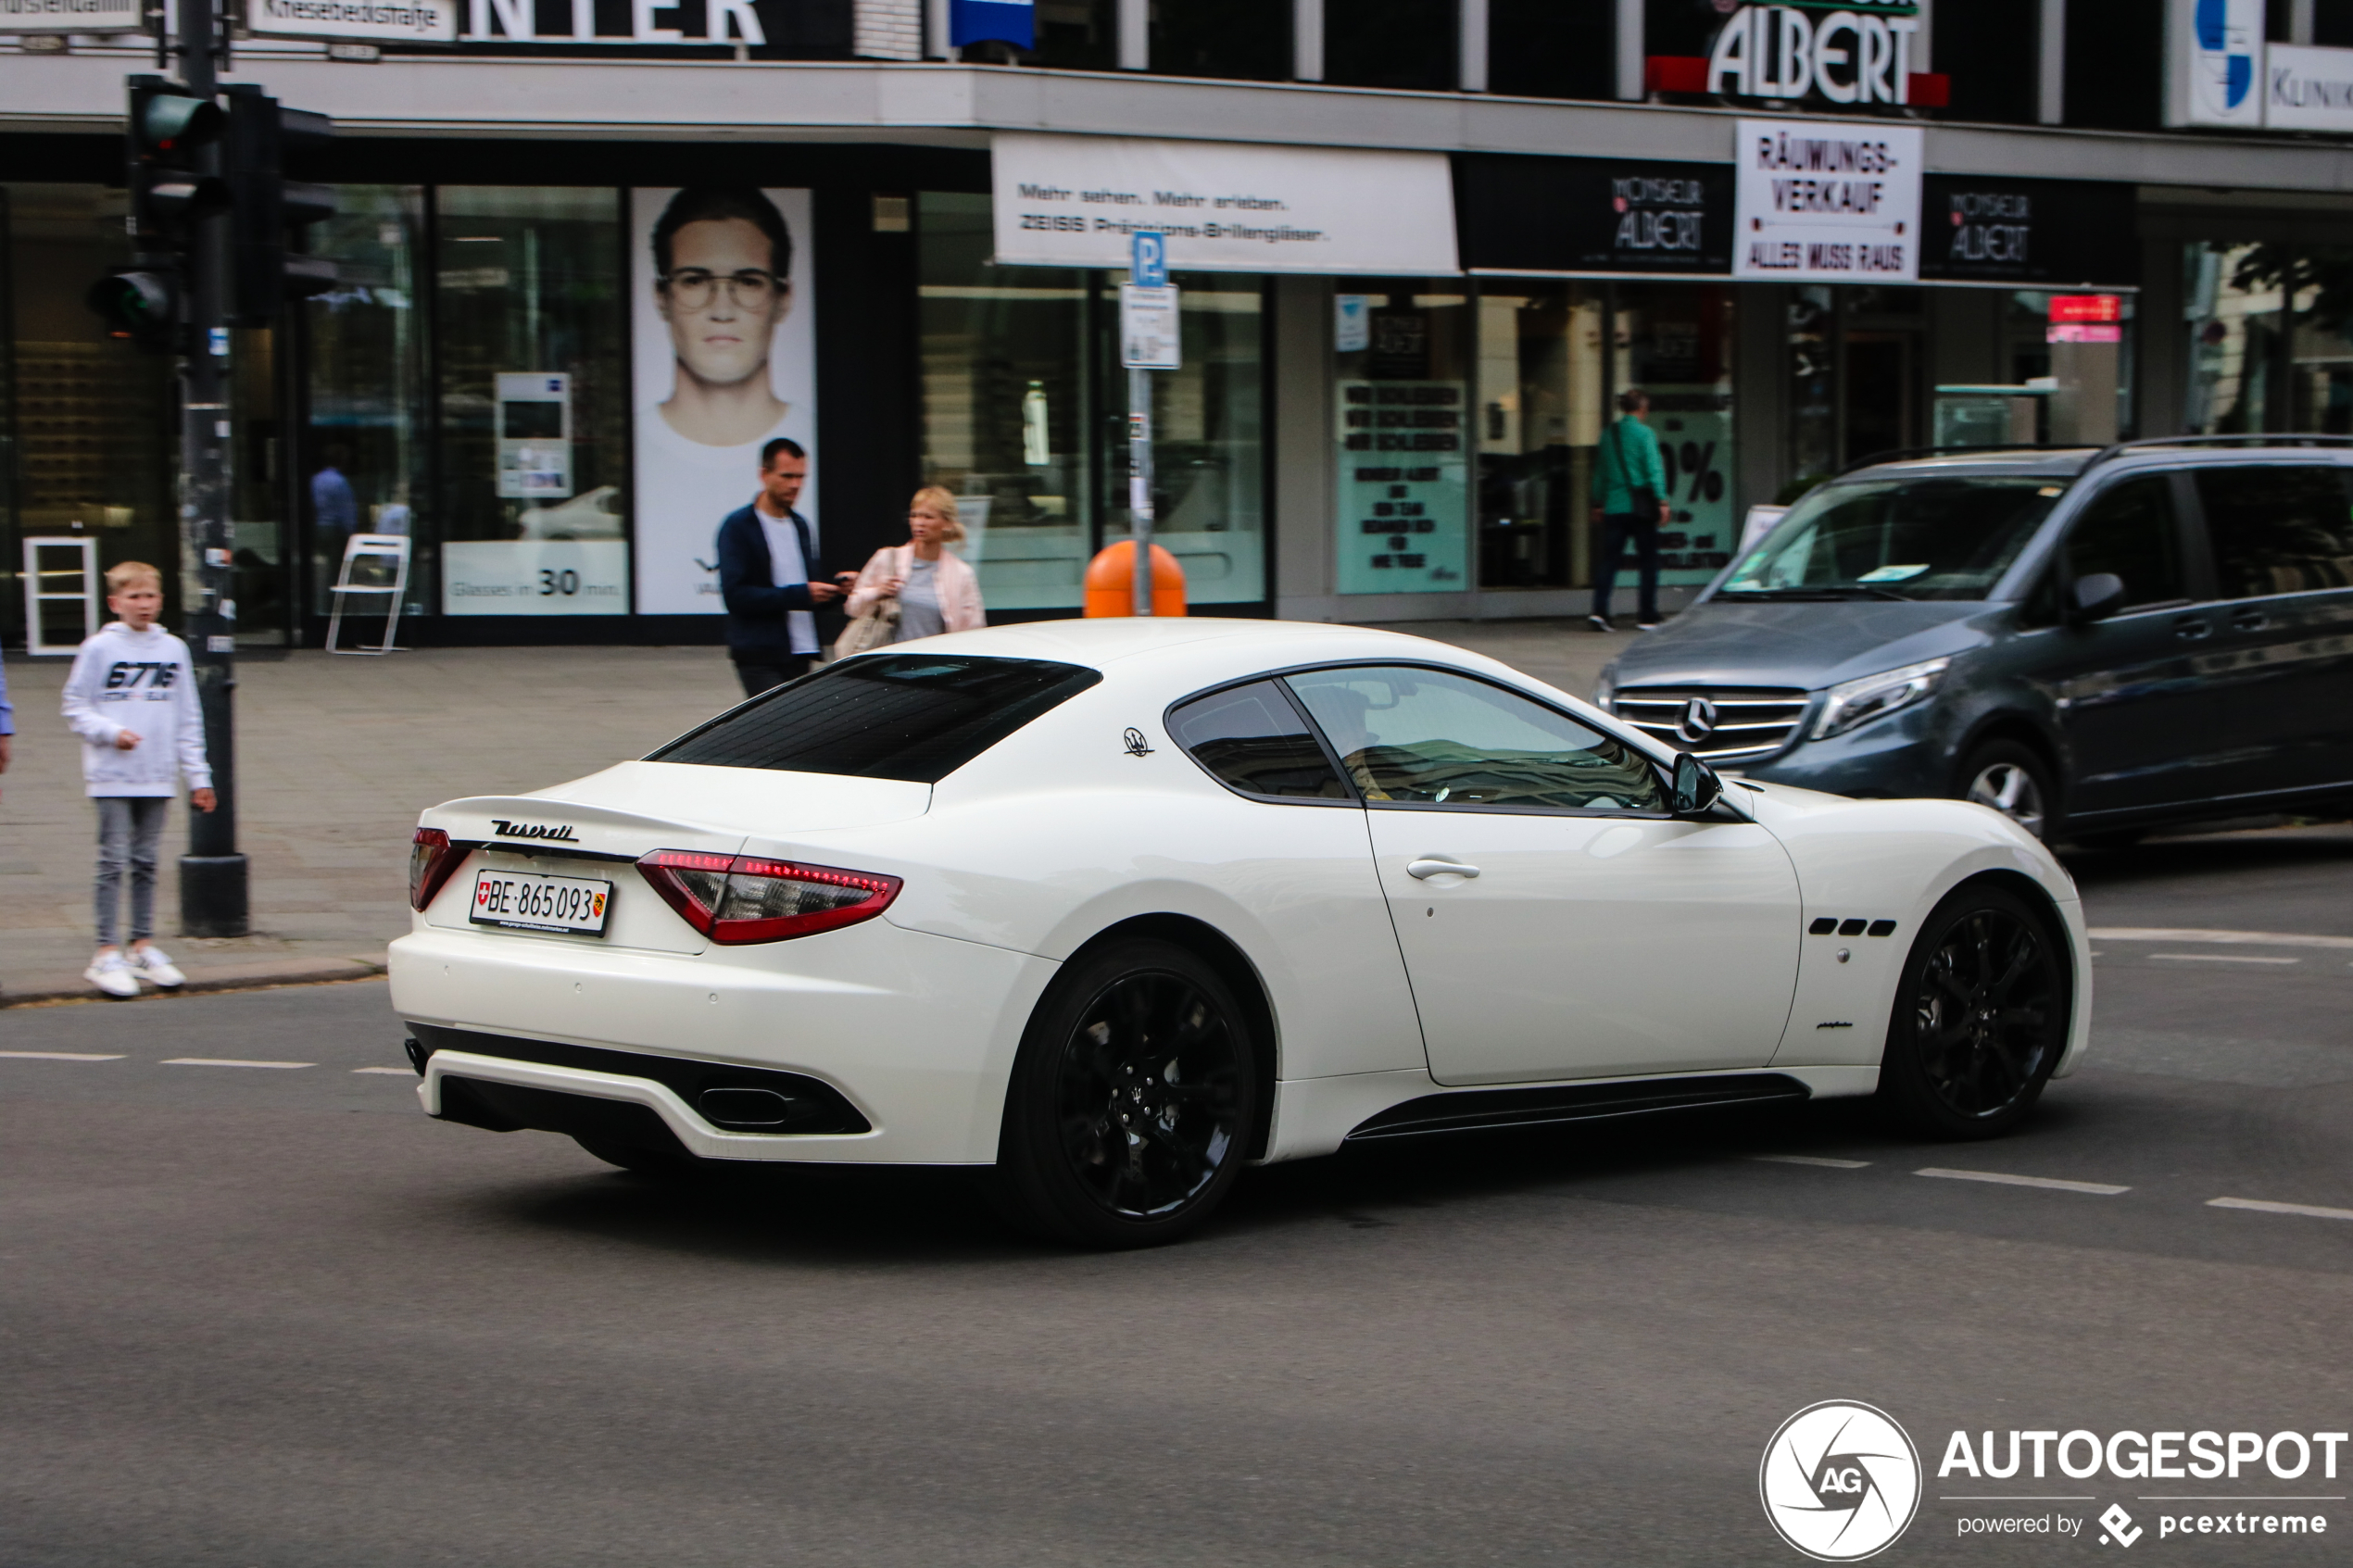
(132, 698)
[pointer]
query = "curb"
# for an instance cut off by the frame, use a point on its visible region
(255, 976)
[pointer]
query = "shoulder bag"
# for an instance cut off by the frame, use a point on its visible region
(874, 629)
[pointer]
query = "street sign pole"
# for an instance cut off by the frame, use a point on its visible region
(212, 874)
(1147, 342)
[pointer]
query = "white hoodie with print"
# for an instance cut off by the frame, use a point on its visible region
(141, 682)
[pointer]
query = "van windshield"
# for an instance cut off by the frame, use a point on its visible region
(1943, 539)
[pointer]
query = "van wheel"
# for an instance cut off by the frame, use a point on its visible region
(1130, 1102)
(2014, 781)
(1981, 1015)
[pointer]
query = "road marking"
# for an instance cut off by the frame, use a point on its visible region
(1813, 1160)
(398, 1071)
(227, 1062)
(57, 1056)
(2224, 957)
(2172, 934)
(2098, 1190)
(2310, 1211)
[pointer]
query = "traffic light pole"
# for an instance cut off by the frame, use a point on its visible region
(212, 874)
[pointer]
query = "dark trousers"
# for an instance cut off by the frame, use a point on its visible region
(1618, 529)
(758, 678)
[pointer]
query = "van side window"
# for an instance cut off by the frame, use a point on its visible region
(2128, 530)
(2277, 527)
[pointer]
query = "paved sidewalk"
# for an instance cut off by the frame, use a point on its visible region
(338, 755)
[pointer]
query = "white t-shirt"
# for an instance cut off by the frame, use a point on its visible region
(786, 567)
(685, 490)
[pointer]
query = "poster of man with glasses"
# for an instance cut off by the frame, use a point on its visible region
(725, 357)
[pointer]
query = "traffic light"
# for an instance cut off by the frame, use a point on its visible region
(267, 208)
(169, 135)
(171, 130)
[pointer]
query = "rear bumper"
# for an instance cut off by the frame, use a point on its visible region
(916, 1032)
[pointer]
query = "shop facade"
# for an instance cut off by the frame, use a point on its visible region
(1407, 310)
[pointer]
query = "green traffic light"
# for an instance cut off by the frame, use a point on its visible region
(141, 305)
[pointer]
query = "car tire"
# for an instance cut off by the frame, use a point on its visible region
(1131, 1102)
(1981, 1016)
(2015, 781)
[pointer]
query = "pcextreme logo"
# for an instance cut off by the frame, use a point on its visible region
(1840, 1481)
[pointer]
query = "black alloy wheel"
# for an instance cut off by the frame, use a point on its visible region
(1981, 1015)
(1131, 1101)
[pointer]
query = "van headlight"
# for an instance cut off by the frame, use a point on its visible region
(1873, 697)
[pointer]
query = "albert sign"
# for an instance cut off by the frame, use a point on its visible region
(1858, 52)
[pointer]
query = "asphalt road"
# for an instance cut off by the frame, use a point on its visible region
(262, 1315)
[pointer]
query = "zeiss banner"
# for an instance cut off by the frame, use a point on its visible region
(1224, 207)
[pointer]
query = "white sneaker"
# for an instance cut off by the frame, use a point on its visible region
(156, 969)
(110, 974)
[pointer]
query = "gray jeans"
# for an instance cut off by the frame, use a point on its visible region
(130, 828)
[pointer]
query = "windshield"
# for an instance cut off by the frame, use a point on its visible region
(1941, 538)
(885, 716)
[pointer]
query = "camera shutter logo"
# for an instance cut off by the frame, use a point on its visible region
(1840, 1481)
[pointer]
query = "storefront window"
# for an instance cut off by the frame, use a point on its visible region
(1675, 342)
(1244, 39)
(1209, 463)
(1013, 424)
(1552, 48)
(363, 455)
(1402, 392)
(1407, 44)
(1539, 417)
(2232, 310)
(530, 319)
(261, 584)
(1813, 387)
(91, 416)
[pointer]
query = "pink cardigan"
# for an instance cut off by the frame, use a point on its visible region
(959, 590)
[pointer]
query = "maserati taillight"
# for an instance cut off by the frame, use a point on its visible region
(431, 859)
(735, 899)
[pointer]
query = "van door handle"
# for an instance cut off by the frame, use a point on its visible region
(2248, 621)
(2190, 628)
(1438, 865)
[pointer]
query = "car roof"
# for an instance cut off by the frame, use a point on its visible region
(2065, 463)
(1112, 640)
(2068, 462)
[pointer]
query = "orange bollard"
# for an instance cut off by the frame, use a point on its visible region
(1111, 582)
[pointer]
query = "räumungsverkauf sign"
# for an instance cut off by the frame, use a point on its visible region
(1827, 202)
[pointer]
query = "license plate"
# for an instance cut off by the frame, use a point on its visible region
(527, 901)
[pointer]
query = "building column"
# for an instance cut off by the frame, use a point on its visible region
(1307, 40)
(2050, 59)
(2299, 22)
(936, 45)
(1302, 447)
(1470, 64)
(1134, 28)
(1628, 34)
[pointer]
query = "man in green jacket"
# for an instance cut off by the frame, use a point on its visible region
(1630, 503)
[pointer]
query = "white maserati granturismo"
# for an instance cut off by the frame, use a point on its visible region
(1120, 907)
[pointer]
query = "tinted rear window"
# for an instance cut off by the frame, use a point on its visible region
(891, 716)
(1252, 738)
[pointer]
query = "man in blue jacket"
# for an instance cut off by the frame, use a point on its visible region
(1630, 502)
(772, 577)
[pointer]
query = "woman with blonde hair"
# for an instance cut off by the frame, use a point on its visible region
(934, 591)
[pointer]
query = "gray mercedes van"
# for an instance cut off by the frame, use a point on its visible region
(2095, 643)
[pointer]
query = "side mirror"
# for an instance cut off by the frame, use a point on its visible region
(2095, 598)
(1696, 785)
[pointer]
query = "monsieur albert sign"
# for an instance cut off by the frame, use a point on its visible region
(1587, 216)
(2036, 234)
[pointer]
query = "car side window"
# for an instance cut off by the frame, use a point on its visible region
(2278, 528)
(1417, 736)
(2128, 530)
(1252, 739)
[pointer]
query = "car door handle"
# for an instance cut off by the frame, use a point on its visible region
(1438, 865)
(2249, 621)
(2190, 629)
